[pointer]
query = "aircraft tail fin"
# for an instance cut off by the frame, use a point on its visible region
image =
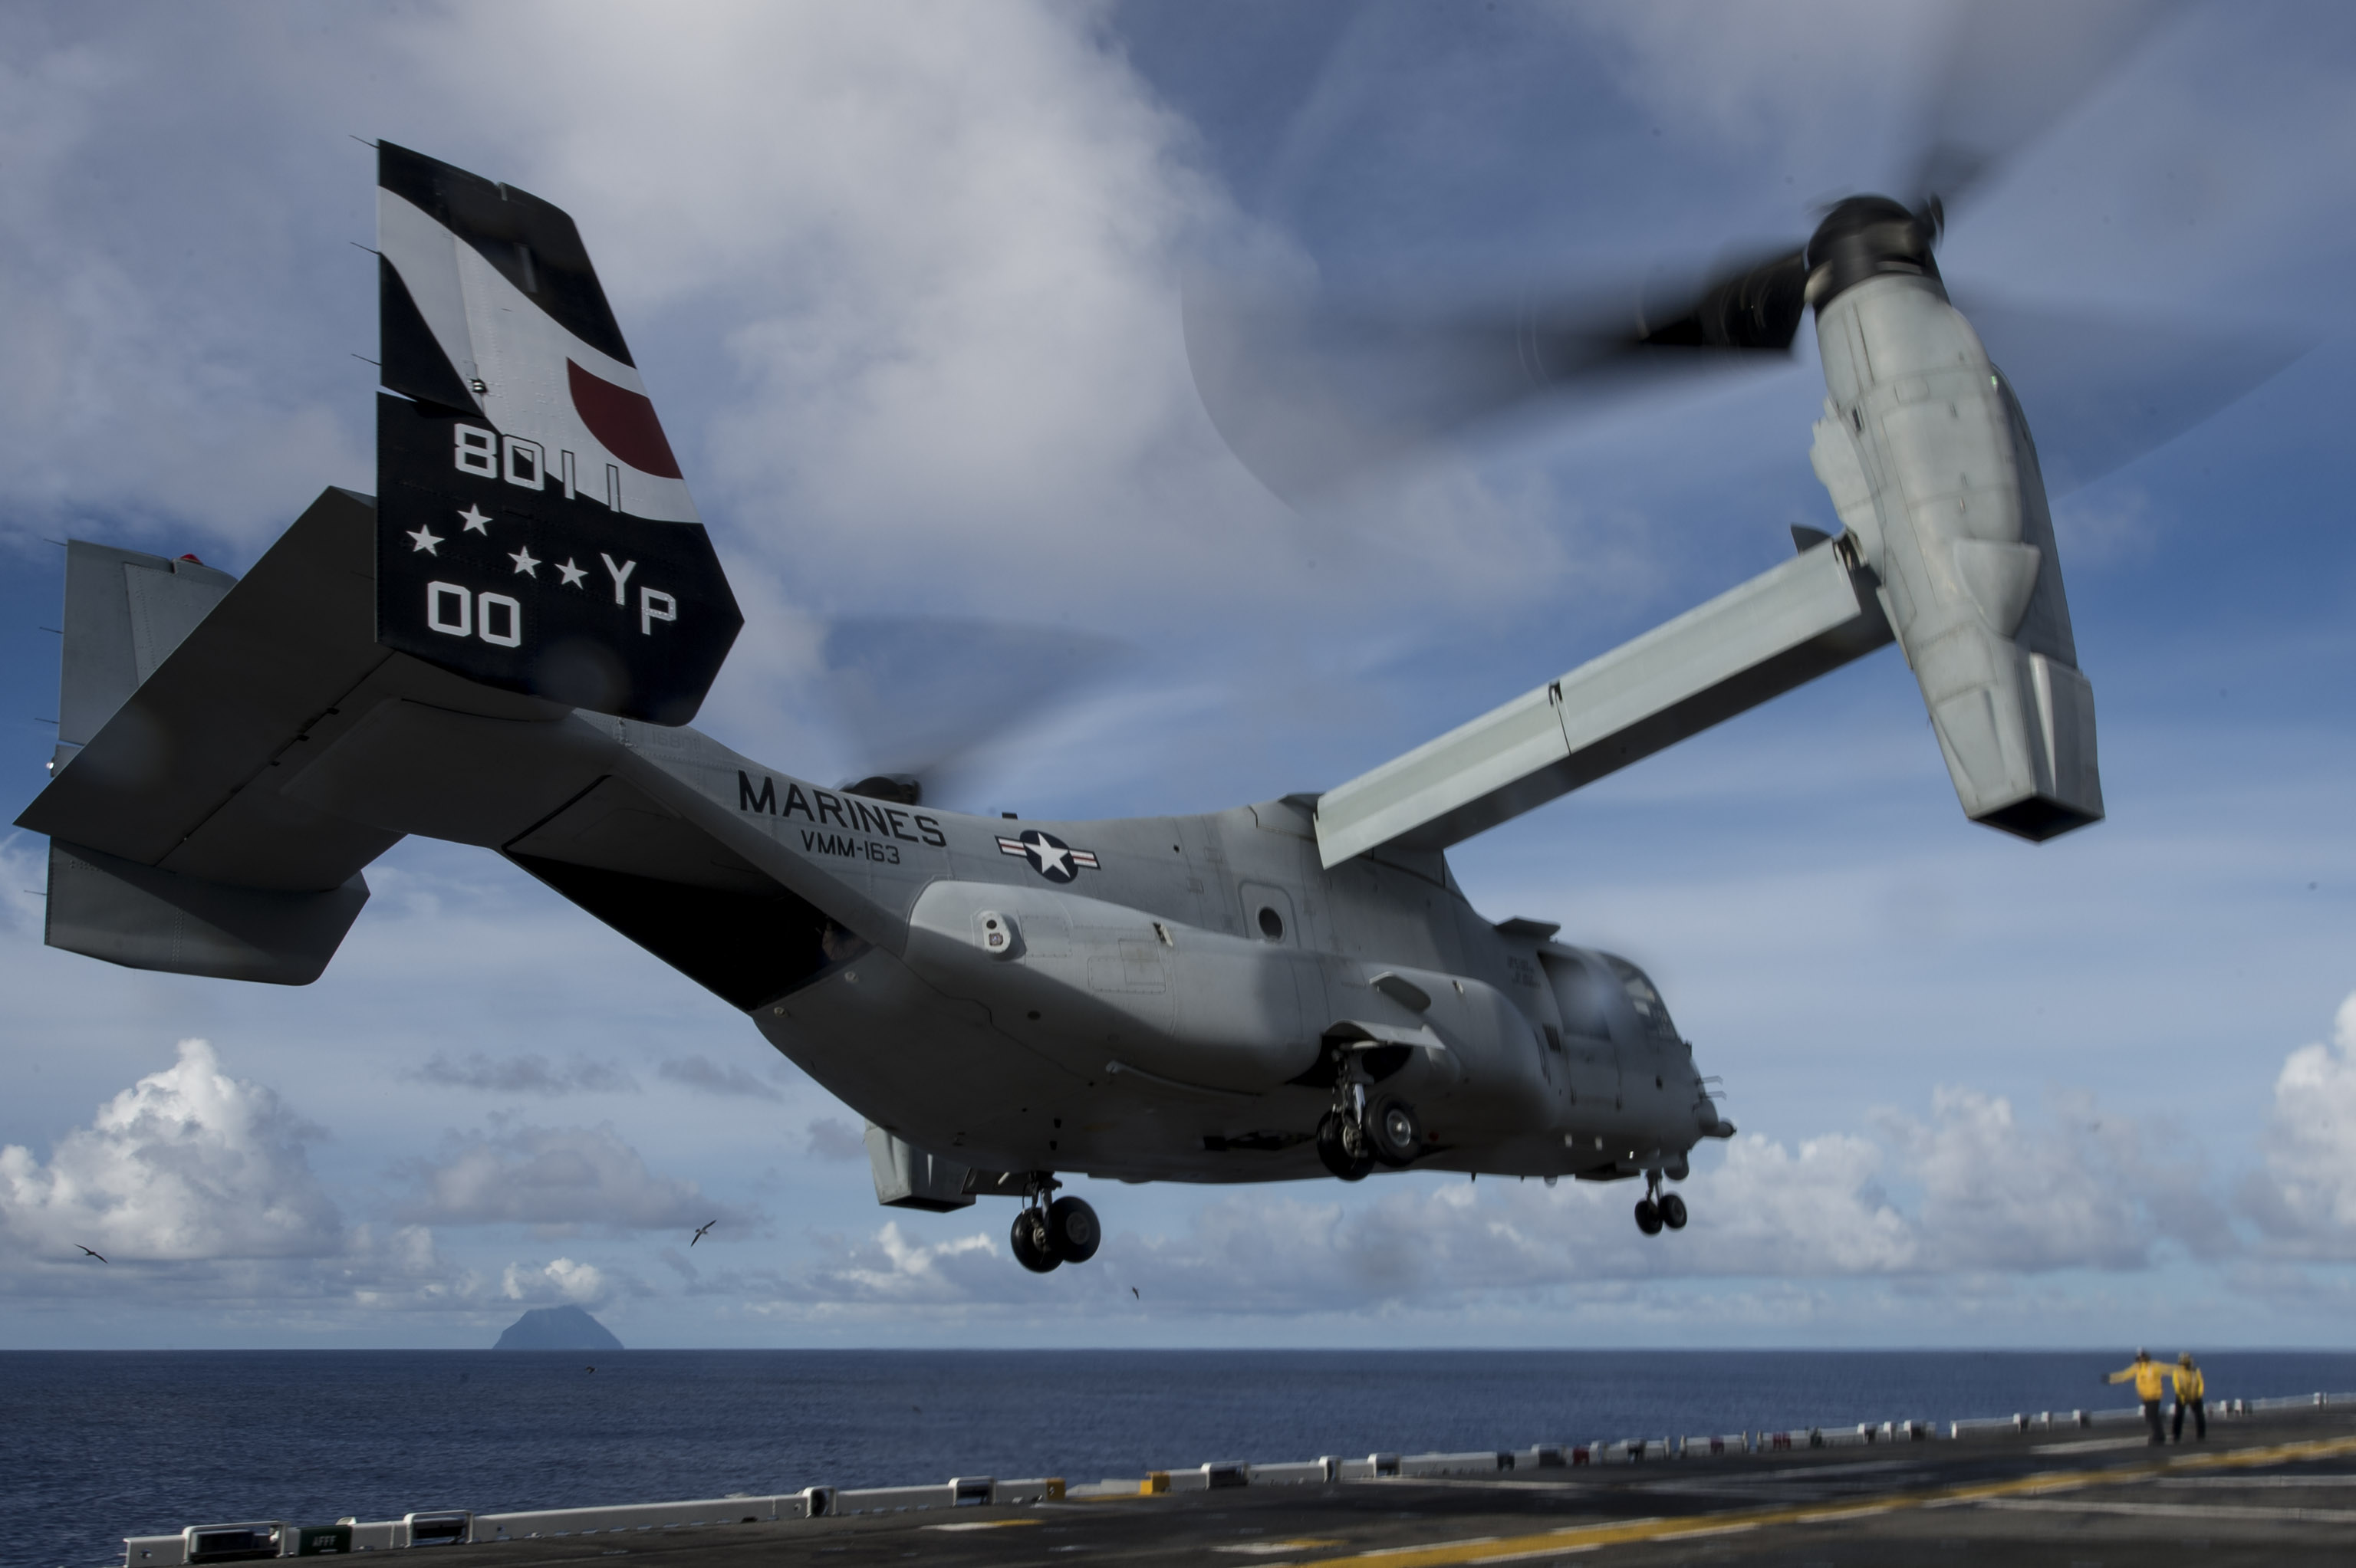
(534, 532)
(125, 611)
(184, 692)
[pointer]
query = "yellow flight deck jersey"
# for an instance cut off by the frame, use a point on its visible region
(2189, 1383)
(2150, 1379)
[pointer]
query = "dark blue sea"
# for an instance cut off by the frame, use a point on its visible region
(97, 1445)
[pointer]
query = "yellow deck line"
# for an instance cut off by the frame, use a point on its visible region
(1586, 1537)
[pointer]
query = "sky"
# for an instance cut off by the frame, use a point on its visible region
(905, 281)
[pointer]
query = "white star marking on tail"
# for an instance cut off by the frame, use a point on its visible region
(524, 562)
(572, 574)
(425, 539)
(477, 521)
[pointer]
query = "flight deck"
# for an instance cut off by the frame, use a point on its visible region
(2269, 1485)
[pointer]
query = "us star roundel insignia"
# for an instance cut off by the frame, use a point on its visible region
(1049, 856)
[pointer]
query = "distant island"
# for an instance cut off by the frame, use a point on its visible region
(557, 1328)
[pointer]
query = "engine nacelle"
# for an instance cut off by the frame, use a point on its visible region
(1931, 466)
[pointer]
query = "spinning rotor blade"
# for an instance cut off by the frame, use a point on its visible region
(1311, 391)
(2100, 390)
(925, 700)
(2011, 69)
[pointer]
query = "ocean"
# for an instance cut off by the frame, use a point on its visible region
(95, 1445)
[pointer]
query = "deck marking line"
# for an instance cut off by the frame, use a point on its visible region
(1455, 1553)
(2345, 1482)
(2180, 1510)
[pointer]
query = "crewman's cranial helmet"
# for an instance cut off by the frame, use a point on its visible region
(2142, 1354)
(2184, 1360)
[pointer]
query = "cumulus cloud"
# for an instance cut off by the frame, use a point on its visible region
(2079, 1192)
(529, 1074)
(890, 1269)
(1985, 1191)
(710, 1077)
(552, 1177)
(556, 1282)
(2305, 1200)
(1968, 1201)
(187, 1164)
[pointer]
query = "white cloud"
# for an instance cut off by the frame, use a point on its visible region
(1999, 1195)
(553, 1176)
(1966, 1204)
(1822, 1211)
(2306, 1201)
(558, 1280)
(890, 1269)
(202, 1179)
(187, 1164)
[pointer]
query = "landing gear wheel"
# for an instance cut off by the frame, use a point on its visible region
(1648, 1217)
(1343, 1147)
(1673, 1212)
(1030, 1242)
(1073, 1236)
(1396, 1132)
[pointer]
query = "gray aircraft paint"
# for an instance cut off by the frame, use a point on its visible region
(1155, 998)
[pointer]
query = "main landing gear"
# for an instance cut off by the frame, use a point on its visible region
(1049, 1234)
(1657, 1208)
(1354, 1134)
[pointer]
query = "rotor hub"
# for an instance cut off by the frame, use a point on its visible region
(1868, 236)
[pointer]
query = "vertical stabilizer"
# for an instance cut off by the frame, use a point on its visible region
(125, 611)
(534, 532)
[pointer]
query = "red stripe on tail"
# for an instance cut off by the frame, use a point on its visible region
(625, 421)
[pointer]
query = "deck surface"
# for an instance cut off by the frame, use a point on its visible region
(2277, 1488)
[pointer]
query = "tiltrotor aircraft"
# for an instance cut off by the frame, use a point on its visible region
(504, 645)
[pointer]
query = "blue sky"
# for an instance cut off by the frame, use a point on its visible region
(905, 281)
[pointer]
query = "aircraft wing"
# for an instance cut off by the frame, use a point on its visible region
(1780, 630)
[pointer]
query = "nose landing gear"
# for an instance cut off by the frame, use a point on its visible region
(1047, 1235)
(1657, 1208)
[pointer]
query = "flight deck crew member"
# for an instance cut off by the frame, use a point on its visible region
(2190, 1388)
(2150, 1381)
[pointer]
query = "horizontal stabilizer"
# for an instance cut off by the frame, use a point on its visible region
(182, 776)
(1780, 630)
(137, 916)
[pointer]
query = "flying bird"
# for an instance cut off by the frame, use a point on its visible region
(700, 1229)
(1132, 1290)
(92, 1254)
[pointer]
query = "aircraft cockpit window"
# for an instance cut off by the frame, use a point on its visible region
(1651, 1011)
(1578, 995)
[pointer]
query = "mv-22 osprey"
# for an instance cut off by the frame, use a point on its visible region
(504, 648)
